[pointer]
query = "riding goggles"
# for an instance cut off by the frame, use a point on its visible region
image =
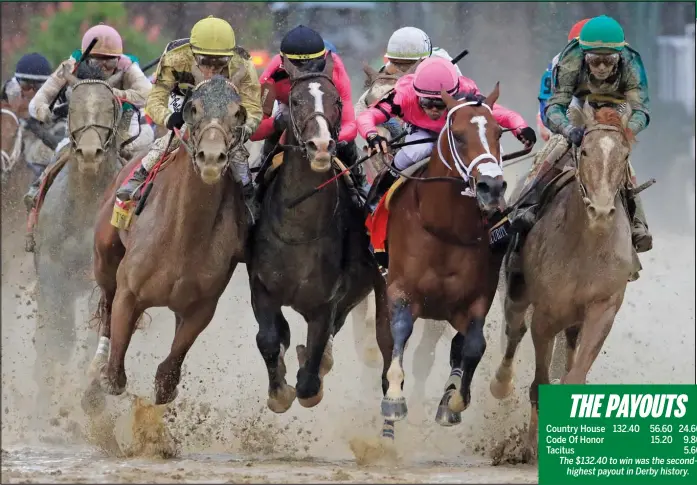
(217, 62)
(597, 60)
(432, 103)
(103, 62)
(26, 85)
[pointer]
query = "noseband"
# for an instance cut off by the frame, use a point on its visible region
(110, 129)
(492, 165)
(299, 128)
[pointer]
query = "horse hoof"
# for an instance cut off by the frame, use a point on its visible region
(555, 381)
(456, 402)
(394, 409)
(445, 417)
(312, 401)
(93, 399)
(282, 400)
(500, 390)
(165, 397)
(388, 431)
(110, 386)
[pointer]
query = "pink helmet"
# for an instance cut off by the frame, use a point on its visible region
(109, 41)
(434, 74)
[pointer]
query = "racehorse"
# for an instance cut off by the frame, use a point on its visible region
(441, 264)
(182, 249)
(313, 257)
(66, 215)
(576, 262)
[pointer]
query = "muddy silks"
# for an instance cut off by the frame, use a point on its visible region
(268, 98)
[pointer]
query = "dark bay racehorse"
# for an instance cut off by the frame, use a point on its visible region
(181, 251)
(64, 232)
(441, 265)
(314, 257)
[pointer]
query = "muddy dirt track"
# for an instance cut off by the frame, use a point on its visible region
(225, 433)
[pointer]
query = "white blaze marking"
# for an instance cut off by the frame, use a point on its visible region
(606, 145)
(317, 93)
(480, 121)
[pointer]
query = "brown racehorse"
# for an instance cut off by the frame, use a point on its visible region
(183, 248)
(441, 265)
(577, 261)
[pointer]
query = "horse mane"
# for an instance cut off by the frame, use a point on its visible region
(470, 96)
(87, 71)
(611, 117)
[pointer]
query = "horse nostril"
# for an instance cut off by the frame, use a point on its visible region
(611, 212)
(332, 146)
(200, 157)
(504, 186)
(222, 158)
(591, 211)
(483, 187)
(99, 152)
(311, 145)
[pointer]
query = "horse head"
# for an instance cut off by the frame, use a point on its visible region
(215, 117)
(603, 159)
(93, 115)
(315, 114)
(472, 136)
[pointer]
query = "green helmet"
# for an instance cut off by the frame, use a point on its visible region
(602, 33)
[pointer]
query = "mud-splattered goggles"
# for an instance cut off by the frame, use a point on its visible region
(432, 103)
(217, 62)
(104, 62)
(27, 85)
(598, 60)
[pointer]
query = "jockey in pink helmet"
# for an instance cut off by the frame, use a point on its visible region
(417, 100)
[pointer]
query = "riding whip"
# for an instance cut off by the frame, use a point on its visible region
(150, 65)
(83, 56)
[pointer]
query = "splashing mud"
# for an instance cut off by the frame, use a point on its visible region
(219, 429)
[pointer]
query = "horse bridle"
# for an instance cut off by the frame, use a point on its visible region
(110, 129)
(232, 139)
(577, 158)
(298, 129)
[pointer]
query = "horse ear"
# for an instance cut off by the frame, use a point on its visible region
(70, 79)
(588, 113)
(290, 68)
(241, 115)
(370, 73)
(329, 65)
(493, 97)
(115, 79)
(236, 78)
(450, 102)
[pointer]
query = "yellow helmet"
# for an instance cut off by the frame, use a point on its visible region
(213, 37)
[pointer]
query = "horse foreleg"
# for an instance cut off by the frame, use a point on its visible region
(188, 327)
(543, 341)
(394, 405)
(320, 327)
(93, 399)
(273, 339)
(501, 385)
(383, 335)
(596, 327)
(124, 317)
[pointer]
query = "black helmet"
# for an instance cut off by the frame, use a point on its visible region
(33, 67)
(302, 44)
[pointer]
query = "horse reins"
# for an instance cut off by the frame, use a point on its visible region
(9, 159)
(111, 130)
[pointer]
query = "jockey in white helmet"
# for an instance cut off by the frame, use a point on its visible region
(408, 45)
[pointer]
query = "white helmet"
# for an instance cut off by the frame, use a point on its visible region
(409, 43)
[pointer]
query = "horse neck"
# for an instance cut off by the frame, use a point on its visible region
(195, 203)
(442, 203)
(296, 178)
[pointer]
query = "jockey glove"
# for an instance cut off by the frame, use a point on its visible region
(375, 141)
(527, 136)
(175, 120)
(574, 134)
(60, 111)
(280, 122)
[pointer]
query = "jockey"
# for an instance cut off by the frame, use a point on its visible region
(210, 50)
(40, 140)
(546, 82)
(602, 69)
(305, 49)
(417, 100)
(108, 55)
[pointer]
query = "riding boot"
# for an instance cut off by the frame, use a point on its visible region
(641, 237)
(381, 185)
(362, 186)
(126, 191)
(252, 203)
